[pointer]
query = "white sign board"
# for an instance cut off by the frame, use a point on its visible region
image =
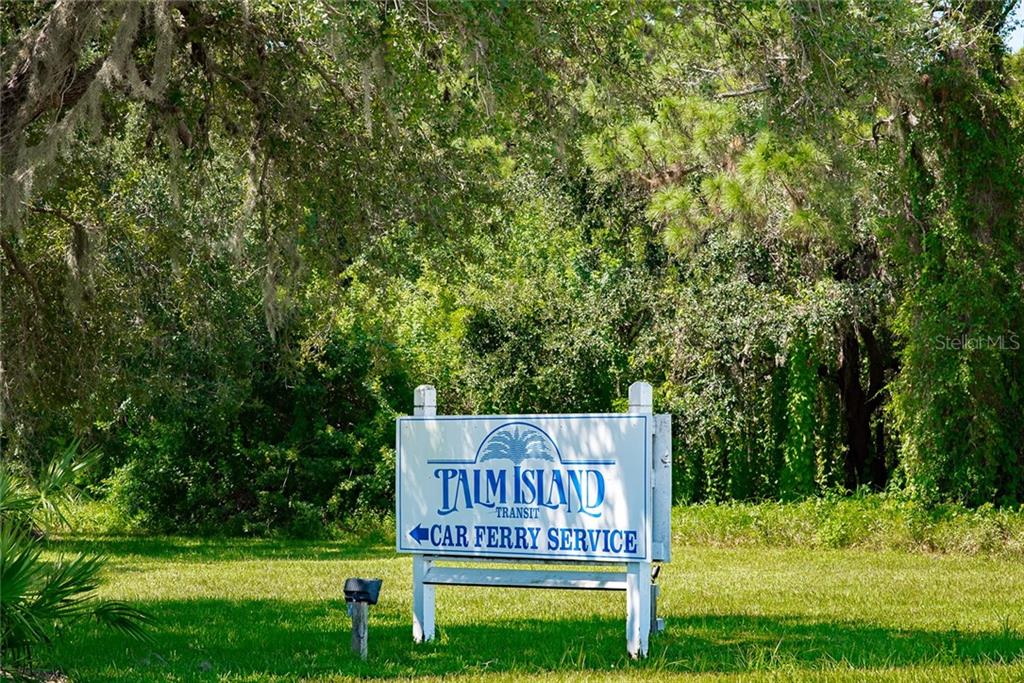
(551, 487)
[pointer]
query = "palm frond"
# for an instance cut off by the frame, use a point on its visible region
(125, 619)
(37, 598)
(56, 482)
(21, 570)
(16, 497)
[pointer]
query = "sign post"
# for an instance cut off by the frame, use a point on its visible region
(638, 583)
(593, 490)
(424, 405)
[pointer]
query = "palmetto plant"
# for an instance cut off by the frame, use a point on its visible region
(42, 501)
(39, 599)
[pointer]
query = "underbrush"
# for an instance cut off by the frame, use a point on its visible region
(874, 521)
(103, 518)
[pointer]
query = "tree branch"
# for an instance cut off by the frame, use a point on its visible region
(327, 78)
(58, 46)
(57, 213)
(752, 90)
(22, 270)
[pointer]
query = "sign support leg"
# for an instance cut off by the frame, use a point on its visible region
(638, 574)
(638, 608)
(657, 624)
(424, 405)
(422, 601)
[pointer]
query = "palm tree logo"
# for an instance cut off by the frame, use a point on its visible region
(517, 444)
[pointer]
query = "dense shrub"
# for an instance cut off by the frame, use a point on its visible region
(304, 450)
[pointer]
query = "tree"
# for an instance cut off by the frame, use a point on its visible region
(853, 146)
(293, 139)
(775, 211)
(958, 402)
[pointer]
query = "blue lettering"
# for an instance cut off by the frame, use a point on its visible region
(495, 487)
(615, 541)
(594, 503)
(464, 484)
(446, 475)
(517, 489)
(631, 542)
(557, 487)
(571, 490)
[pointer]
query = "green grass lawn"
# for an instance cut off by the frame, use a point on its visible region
(246, 610)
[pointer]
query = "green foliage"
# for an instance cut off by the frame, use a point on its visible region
(40, 501)
(743, 381)
(40, 599)
(869, 521)
(911, 218)
(958, 400)
(302, 452)
(230, 249)
(799, 468)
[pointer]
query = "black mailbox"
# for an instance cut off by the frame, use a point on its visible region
(362, 590)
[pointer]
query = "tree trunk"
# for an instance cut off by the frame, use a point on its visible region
(855, 410)
(877, 469)
(865, 454)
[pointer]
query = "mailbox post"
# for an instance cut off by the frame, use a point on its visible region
(360, 594)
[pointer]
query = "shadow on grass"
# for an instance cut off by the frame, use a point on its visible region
(225, 549)
(207, 639)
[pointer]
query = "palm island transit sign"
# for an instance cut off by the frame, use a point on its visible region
(587, 490)
(551, 487)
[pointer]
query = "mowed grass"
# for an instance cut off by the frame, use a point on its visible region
(251, 610)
